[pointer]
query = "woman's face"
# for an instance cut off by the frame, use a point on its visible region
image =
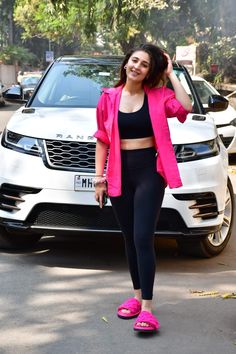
(138, 66)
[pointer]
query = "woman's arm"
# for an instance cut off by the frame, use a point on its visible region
(100, 157)
(180, 92)
(100, 160)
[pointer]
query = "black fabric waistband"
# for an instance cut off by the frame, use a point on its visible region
(138, 158)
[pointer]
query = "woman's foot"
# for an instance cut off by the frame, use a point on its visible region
(146, 322)
(129, 309)
(146, 306)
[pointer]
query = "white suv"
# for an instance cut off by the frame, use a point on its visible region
(47, 164)
(225, 120)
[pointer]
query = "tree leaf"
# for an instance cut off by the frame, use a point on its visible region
(104, 319)
(205, 293)
(229, 296)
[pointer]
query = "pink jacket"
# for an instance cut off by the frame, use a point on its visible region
(162, 105)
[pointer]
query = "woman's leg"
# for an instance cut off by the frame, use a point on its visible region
(147, 205)
(137, 211)
(124, 211)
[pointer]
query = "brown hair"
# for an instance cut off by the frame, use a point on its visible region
(158, 64)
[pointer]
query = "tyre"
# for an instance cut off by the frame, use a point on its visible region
(213, 244)
(17, 240)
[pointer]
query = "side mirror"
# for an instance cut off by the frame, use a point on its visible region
(14, 94)
(217, 103)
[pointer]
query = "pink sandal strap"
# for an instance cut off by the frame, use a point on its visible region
(149, 319)
(132, 305)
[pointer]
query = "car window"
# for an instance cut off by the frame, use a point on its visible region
(204, 90)
(31, 80)
(182, 79)
(75, 85)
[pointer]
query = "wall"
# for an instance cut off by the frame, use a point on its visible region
(7, 74)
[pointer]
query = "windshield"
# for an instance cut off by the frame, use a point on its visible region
(75, 85)
(69, 84)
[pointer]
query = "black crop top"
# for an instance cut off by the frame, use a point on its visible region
(137, 124)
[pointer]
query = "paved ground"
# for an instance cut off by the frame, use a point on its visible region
(61, 298)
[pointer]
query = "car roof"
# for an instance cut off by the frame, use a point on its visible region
(32, 73)
(90, 59)
(97, 59)
(197, 78)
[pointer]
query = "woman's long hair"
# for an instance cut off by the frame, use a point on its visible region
(158, 64)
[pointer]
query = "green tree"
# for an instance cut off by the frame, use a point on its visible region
(7, 28)
(11, 54)
(125, 23)
(39, 18)
(117, 25)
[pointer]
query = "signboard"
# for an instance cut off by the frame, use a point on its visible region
(49, 56)
(186, 55)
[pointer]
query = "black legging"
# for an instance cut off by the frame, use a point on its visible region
(137, 211)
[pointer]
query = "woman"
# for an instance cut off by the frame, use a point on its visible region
(132, 122)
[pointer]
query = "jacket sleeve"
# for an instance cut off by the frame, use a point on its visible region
(101, 133)
(173, 107)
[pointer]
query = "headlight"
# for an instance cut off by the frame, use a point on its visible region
(197, 151)
(21, 143)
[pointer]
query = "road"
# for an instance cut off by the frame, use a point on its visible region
(5, 113)
(62, 297)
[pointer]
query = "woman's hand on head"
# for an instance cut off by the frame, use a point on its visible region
(169, 68)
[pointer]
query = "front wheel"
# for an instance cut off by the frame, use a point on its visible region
(213, 244)
(17, 240)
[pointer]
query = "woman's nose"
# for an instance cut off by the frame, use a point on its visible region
(137, 65)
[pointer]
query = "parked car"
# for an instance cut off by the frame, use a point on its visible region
(2, 101)
(47, 158)
(224, 120)
(24, 88)
(28, 83)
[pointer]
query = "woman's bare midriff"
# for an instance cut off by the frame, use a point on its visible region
(134, 144)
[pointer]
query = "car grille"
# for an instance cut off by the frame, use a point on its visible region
(70, 155)
(86, 217)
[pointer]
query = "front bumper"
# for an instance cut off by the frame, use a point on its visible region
(228, 136)
(34, 198)
(51, 219)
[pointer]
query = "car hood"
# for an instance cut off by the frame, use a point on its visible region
(79, 124)
(195, 129)
(55, 123)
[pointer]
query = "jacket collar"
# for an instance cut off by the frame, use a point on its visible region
(115, 90)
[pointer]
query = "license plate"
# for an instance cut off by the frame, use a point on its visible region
(83, 183)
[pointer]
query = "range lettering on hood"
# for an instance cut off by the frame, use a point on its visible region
(75, 137)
